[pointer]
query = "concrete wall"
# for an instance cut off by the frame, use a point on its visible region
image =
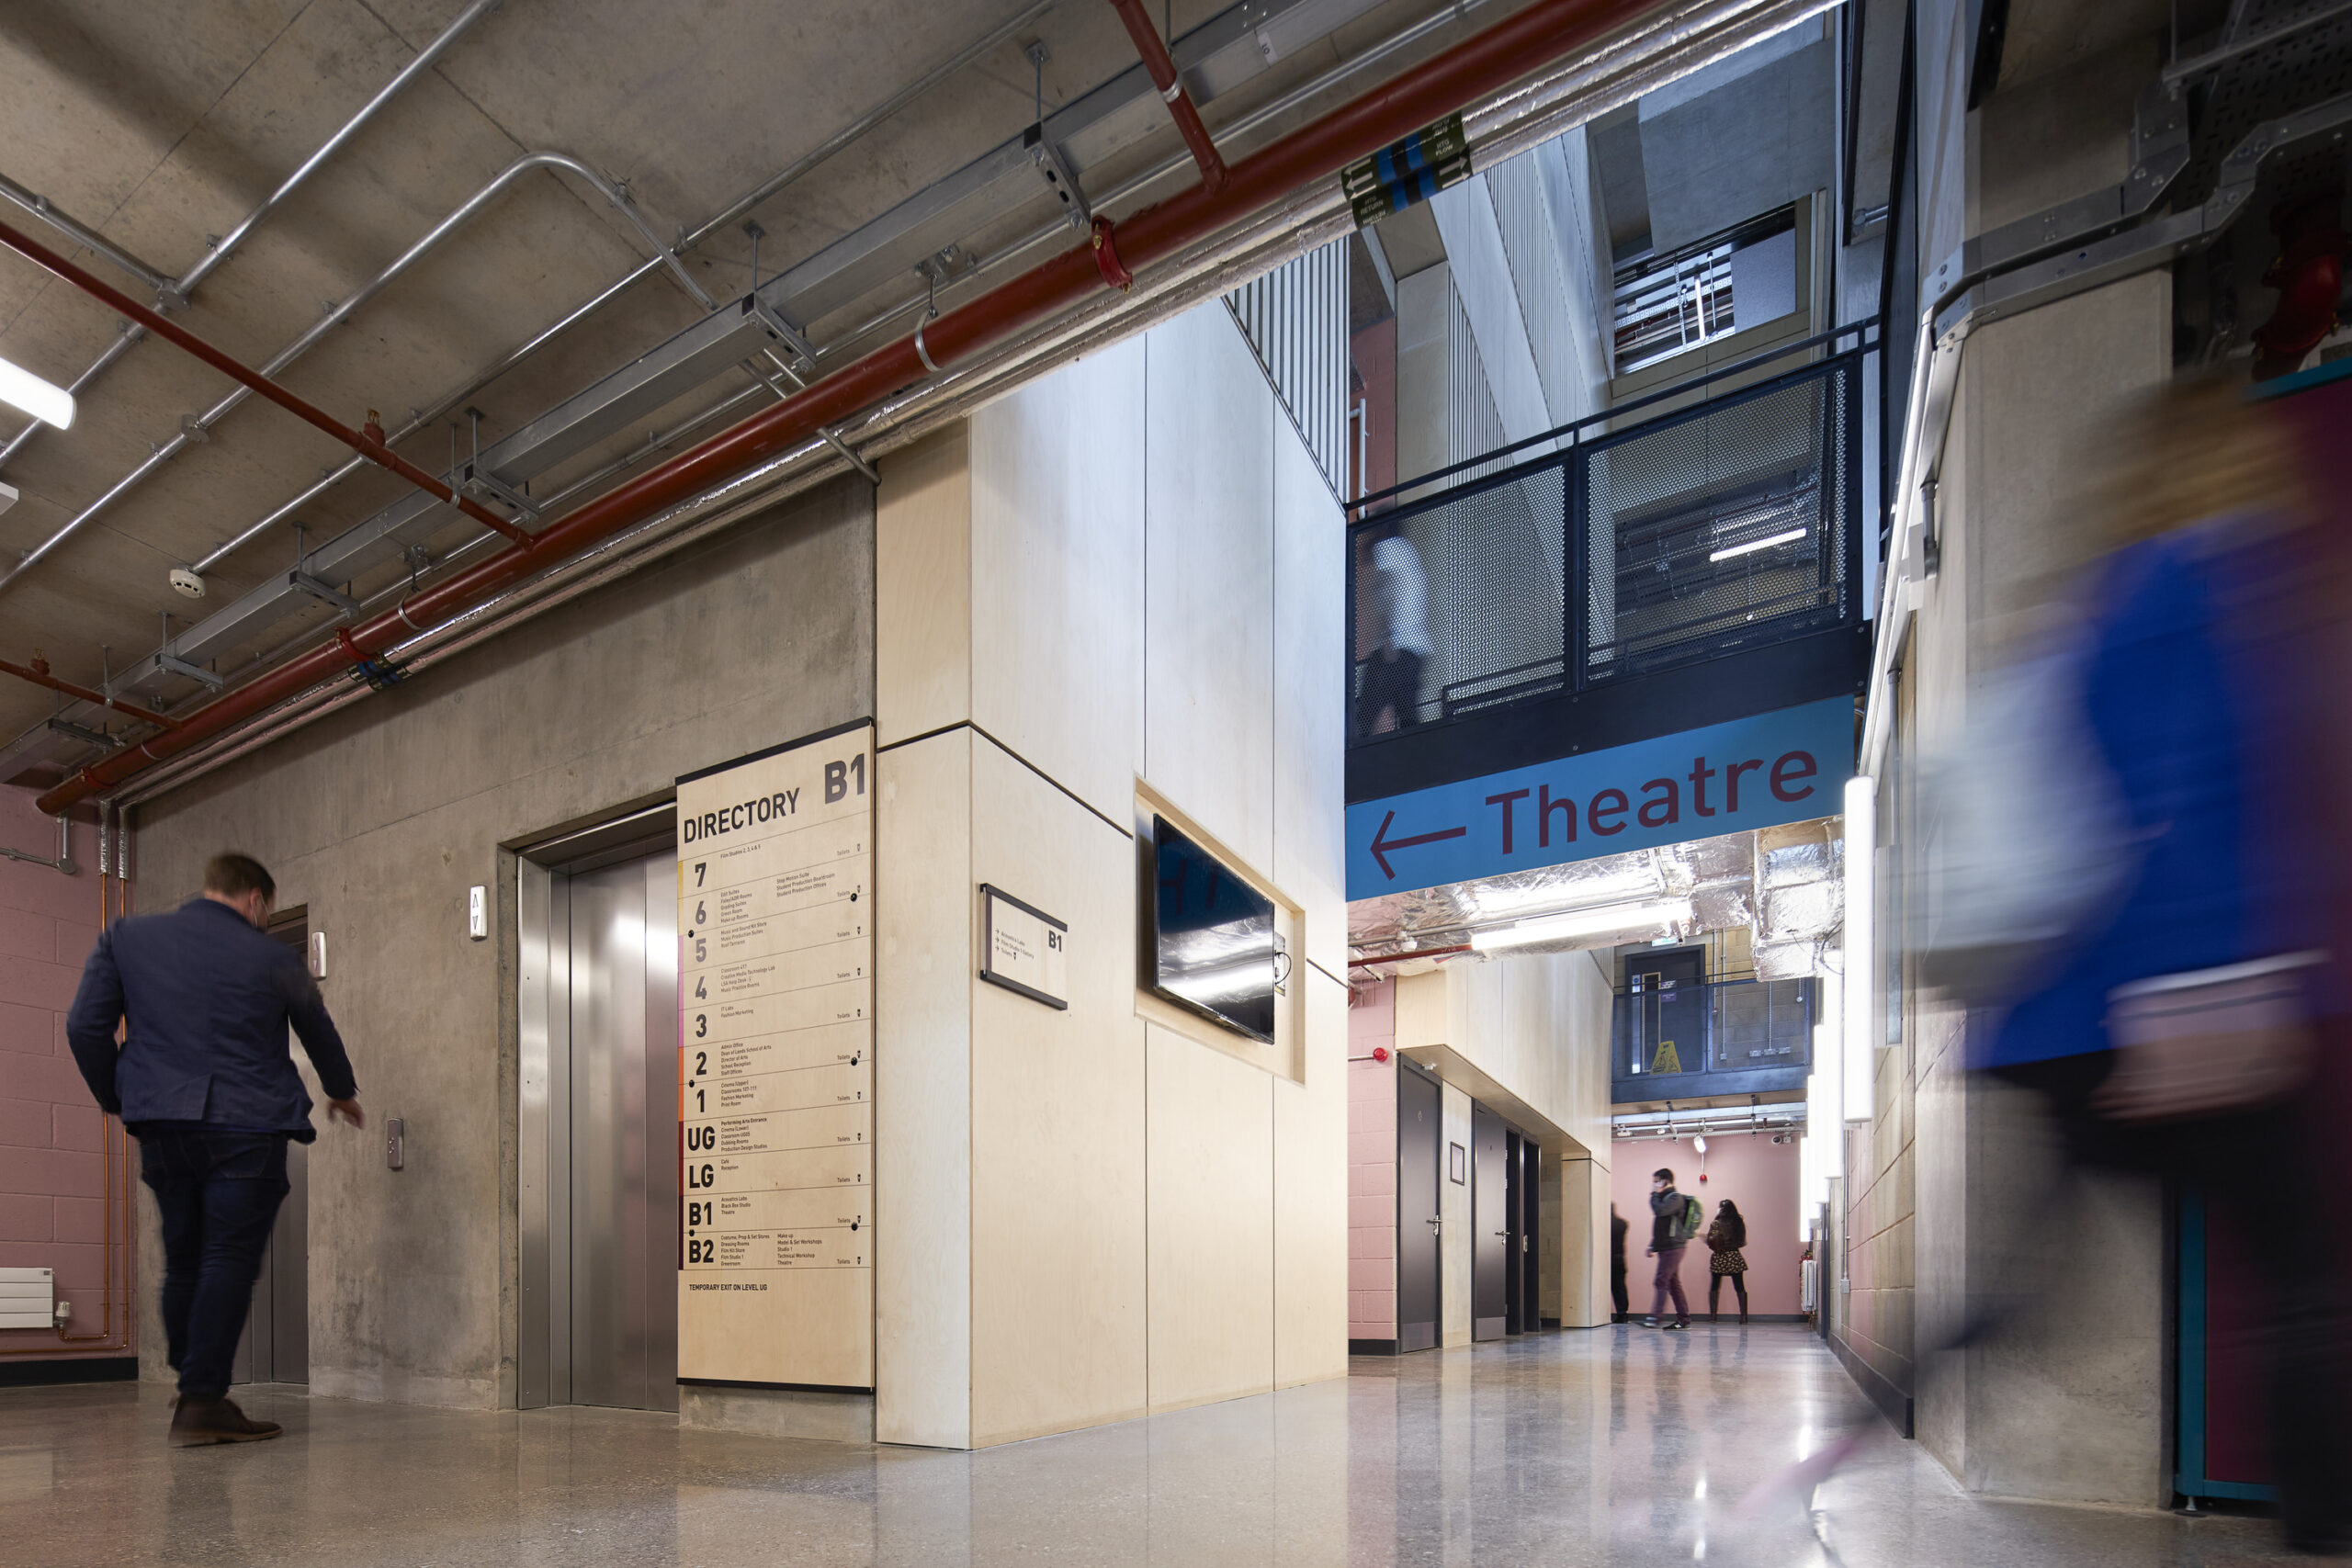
(1527, 1036)
(1116, 591)
(381, 817)
(56, 1168)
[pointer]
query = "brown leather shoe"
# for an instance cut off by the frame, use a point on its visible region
(197, 1422)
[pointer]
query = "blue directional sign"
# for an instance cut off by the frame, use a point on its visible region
(1786, 766)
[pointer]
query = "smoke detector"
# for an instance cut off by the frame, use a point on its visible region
(186, 582)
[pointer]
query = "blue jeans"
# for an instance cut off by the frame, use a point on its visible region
(218, 1195)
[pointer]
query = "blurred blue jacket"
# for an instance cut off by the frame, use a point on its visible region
(2188, 719)
(208, 998)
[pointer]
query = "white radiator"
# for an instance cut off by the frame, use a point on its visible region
(27, 1297)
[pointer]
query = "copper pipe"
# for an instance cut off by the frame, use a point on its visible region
(1162, 68)
(368, 443)
(1512, 49)
(38, 673)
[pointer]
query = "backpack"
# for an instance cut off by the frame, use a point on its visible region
(1690, 1220)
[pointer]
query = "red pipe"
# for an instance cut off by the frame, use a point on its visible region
(369, 444)
(1171, 89)
(1512, 49)
(39, 676)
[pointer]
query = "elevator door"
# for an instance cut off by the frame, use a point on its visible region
(1417, 1145)
(623, 1135)
(275, 1345)
(1490, 1226)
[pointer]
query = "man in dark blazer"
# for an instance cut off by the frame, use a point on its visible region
(203, 1080)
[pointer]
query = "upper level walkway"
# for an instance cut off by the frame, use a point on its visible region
(1623, 1447)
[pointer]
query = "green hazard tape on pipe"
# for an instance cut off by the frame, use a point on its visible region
(1406, 173)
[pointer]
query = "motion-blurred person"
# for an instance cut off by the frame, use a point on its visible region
(1390, 696)
(204, 1081)
(1617, 1294)
(1674, 1220)
(1725, 1236)
(2180, 1017)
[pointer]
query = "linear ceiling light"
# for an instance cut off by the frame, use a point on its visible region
(1754, 545)
(46, 402)
(1583, 922)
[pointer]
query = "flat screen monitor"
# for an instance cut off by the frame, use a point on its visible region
(1212, 936)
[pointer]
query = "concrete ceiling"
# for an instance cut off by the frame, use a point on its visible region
(159, 131)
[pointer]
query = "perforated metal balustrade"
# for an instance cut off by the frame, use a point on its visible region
(1707, 531)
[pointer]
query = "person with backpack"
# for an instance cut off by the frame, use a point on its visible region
(1674, 1220)
(1725, 1239)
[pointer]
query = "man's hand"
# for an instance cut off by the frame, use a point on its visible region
(348, 1109)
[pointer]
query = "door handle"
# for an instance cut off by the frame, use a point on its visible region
(1436, 1220)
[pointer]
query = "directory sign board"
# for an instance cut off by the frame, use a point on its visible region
(775, 1067)
(1759, 771)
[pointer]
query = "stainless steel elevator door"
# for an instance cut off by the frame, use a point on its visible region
(623, 1135)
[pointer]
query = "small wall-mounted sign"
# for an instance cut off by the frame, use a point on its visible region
(1458, 1163)
(1024, 949)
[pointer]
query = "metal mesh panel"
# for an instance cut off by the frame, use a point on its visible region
(1491, 631)
(1761, 1023)
(1721, 528)
(1714, 529)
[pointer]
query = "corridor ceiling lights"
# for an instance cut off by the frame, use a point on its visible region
(1790, 536)
(45, 401)
(1584, 923)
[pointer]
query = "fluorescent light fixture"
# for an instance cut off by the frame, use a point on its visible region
(1583, 922)
(1755, 544)
(50, 404)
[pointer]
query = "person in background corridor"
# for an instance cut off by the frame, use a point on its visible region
(1674, 1220)
(1617, 1228)
(1725, 1239)
(204, 1081)
(1391, 688)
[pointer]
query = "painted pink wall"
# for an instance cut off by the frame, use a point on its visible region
(53, 1175)
(1746, 1167)
(1372, 1165)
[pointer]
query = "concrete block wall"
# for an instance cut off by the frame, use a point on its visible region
(54, 1170)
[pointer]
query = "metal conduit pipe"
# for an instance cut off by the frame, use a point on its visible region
(727, 472)
(735, 210)
(176, 291)
(337, 317)
(89, 239)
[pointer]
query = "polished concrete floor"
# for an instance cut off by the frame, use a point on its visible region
(1620, 1446)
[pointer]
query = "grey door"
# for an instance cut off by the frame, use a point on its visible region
(275, 1346)
(1490, 1226)
(623, 1135)
(1419, 1143)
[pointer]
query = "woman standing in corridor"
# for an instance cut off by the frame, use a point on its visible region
(1725, 1239)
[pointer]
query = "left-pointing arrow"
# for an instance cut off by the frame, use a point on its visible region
(1382, 843)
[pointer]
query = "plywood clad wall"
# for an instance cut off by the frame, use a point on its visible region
(1059, 1133)
(1154, 600)
(922, 1092)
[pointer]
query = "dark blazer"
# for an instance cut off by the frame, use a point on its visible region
(208, 998)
